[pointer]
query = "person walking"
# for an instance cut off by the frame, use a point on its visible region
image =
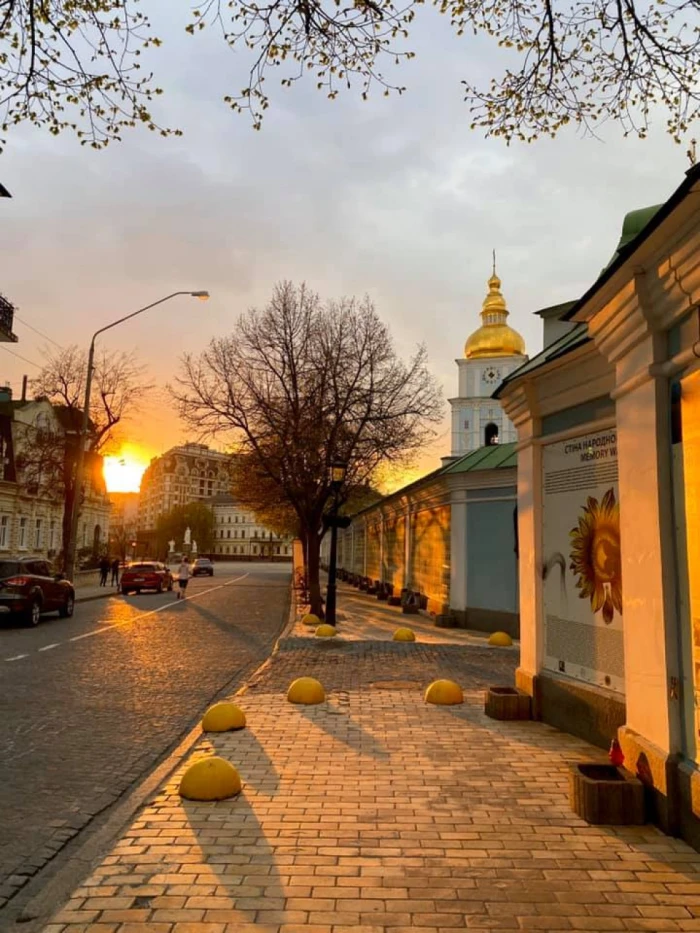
(115, 572)
(183, 576)
(104, 569)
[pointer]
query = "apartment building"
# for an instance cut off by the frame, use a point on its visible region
(189, 473)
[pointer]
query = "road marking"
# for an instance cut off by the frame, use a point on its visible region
(144, 615)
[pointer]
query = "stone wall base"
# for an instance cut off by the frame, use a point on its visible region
(589, 712)
(483, 620)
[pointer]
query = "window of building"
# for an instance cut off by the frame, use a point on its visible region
(490, 434)
(22, 540)
(52, 535)
(4, 526)
(229, 519)
(228, 533)
(243, 533)
(37, 534)
(255, 550)
(227, 550)
(277, 550)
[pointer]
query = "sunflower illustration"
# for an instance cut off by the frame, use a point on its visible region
(595, 555)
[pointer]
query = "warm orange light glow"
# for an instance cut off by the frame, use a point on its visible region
(123, 471)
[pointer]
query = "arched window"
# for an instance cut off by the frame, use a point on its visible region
(491, 434)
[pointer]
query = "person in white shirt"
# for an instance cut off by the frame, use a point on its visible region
(183, 576)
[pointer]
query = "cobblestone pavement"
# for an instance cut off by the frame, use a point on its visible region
(376, 813)
(89, 705)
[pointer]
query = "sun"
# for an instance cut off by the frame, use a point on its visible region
(123, 472)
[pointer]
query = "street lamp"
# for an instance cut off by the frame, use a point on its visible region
(69, 557)
(338, 470)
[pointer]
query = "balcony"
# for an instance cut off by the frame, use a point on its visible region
(7, 313)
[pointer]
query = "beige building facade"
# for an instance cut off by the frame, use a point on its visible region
(608, 421)
(238, 535)
(189, 473)
(31, 511)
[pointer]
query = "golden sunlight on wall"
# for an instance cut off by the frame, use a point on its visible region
(430, 556)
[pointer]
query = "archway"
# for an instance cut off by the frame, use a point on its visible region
(490, 434)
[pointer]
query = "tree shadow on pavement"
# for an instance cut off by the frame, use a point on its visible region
(225, 626)
(339, 724)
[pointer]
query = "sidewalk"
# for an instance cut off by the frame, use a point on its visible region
(94, 591)
(376, 813)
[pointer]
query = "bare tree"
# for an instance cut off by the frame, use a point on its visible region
(75, 64)
(300, 384)
(119, 383)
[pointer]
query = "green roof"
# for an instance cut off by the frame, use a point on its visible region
(493, 457)
(632, 226)
(567, 343)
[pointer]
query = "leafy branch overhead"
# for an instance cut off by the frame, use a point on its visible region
(77, 64)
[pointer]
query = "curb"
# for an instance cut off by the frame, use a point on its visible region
(88, 599)
(291, 622)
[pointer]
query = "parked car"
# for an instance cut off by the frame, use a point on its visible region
(202, 567)
(146, 575)
(29, 588)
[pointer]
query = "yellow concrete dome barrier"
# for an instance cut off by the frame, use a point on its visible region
(306, 690)
(501, 639)
(310, 619)
(404, 634)
(444, 693)
(211, 778)
(223, 717)
(326, 631)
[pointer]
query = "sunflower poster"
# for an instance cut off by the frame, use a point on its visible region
(581, 566)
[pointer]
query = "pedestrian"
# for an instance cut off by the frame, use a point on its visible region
(183, 576)
(104, 569)
(115, 572)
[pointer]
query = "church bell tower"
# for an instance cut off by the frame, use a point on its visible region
(491, 353)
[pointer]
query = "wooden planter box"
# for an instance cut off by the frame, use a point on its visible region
(507, 703)
(606, 796)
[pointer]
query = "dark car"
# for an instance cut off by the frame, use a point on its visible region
(29, 588)
(202, 567)
(146, 575)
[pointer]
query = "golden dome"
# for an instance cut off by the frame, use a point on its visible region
(494, 338)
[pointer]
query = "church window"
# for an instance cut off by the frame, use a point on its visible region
(490, 434)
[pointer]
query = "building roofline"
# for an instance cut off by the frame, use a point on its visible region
(626, 252)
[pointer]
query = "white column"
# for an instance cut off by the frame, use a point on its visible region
(381, 547)
(530, 557)
(458, 550)
(408, 565)
(647, 546)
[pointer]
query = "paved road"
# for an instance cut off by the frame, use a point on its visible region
(89, 705)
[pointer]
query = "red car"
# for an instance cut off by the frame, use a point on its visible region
(147, 575)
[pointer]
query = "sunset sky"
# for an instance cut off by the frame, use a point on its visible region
(395, 198)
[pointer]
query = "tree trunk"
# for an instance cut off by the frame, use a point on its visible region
(66, 525)
(313, 553)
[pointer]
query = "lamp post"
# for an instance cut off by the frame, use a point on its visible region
(338, 471)
(69, 557)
